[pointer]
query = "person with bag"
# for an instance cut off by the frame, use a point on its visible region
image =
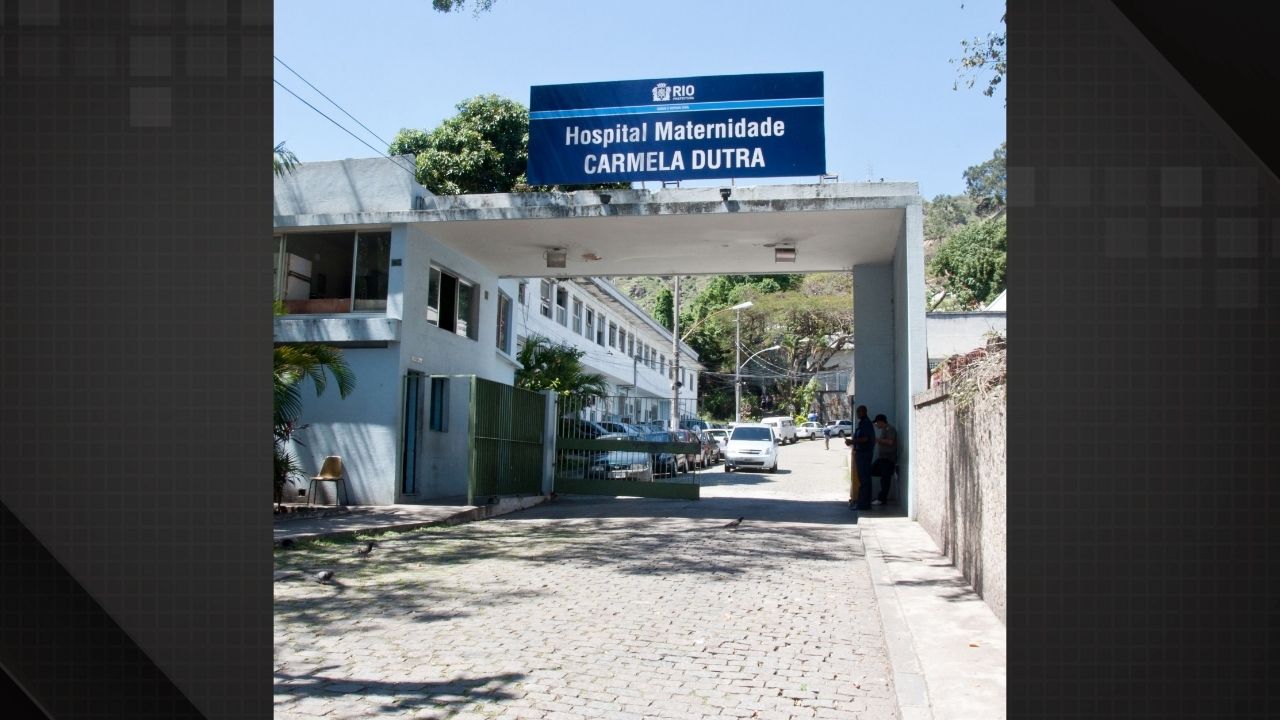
(863, 443)
(886, 458)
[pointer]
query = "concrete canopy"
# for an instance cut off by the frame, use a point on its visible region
(688, 231)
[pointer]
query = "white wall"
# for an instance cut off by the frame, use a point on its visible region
(874, 366)
(912, 361)
(446, 456)
(363, 428)
(956, 333)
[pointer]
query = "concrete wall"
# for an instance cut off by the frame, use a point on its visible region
(363, 428)
(912, 363)
(874, 367)
(960, 486)
(349, 186)
(956, 333)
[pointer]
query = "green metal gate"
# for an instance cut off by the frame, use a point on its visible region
(645, 460)
(507, 426)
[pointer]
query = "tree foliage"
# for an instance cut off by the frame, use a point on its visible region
(983, 56)
(482, 149)
(972, 264)
(478, 6)
(283, 160)
(550, 366)
(987, 183)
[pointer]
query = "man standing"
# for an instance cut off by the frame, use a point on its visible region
(886, 457)
(864, 445)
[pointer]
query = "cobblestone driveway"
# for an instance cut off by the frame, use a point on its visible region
(593, 609)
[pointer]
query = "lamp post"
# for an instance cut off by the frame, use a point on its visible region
(677, 338)
(737, 388)
(737, 353)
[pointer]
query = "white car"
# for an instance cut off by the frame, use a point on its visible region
(751, 445)
(809, 430)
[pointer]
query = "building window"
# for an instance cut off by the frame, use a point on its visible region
(631, 345)
(546, 298)
(562, 306)
(600, 330)
(333, 272)
(520, 292)
(662, 363)
(504, 322)
(451, 303)
(591, 324)
(622, 340)
(613, 335)
(577, 316)
(439, 420)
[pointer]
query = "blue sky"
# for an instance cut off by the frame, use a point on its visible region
(890, 109)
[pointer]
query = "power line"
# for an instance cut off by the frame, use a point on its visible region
(344, 129)
(331, 100)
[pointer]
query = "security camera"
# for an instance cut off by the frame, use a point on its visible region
(725, 193)
(605, 198)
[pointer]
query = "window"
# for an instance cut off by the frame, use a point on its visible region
(662, 363)
(600, 330)
(577, 316)
(631, 345)
(451, 303)
(504, 322)
(613, 334)
(333, 272)
(622, 340)
(520, 294)
(439, 420)
(591, 324)
(562, 306)
(546, 298)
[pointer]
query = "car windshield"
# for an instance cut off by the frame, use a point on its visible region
(751, 433)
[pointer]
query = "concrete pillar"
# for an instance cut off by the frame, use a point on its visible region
(874, 366)
(549, 443)
(912, 359)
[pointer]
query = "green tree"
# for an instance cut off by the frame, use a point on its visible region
(982, 56)
(662, 305)
(972, 264)
(293, 367)
(548, 366)
(482, 149)
(445, 6)
(987, 183)
(283, 160)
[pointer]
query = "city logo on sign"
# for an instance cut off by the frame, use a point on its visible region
(663, 92)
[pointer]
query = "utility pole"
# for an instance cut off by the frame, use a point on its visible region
(675, 354)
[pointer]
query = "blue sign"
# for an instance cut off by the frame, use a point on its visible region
(728, 126)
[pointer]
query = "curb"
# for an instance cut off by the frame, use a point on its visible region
(482, 512)
(908, 676)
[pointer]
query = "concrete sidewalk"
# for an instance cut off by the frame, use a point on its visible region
(945, 645)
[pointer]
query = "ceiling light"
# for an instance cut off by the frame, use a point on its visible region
(782, 254)
(556, 257)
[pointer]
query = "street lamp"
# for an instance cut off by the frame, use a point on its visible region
(737, 353)
(675, 344)
(737, 384)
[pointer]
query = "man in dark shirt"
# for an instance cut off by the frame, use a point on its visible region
(864, 445)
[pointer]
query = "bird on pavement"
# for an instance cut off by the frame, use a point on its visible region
(324, 576)
(368, 548)
(734, 523)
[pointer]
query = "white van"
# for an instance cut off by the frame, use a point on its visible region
(783, 427)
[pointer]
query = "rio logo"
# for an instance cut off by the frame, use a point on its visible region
(663, 92)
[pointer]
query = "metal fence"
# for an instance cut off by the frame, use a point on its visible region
(622, 445)
(507, 426)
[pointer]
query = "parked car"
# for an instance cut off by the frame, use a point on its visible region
(751, 445)
(710, 454)
(840, 428)
(619, 427)
(809, 430)
(721, 436)
(668, 463)
(622, 464)
(784, 427)
(693, 424)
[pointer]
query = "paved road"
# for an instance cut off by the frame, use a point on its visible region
(599, 608)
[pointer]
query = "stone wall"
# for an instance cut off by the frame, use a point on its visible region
(960, 485)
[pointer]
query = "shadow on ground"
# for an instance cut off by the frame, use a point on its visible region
(445, 697)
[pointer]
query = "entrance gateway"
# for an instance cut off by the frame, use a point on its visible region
(873, 230)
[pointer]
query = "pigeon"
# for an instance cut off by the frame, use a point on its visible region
(324, 576)
(368, 548)
(734, 523)
(286, 543)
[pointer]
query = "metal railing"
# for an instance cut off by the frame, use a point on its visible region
(506, 440)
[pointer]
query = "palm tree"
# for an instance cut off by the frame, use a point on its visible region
(283, 160)
(292, 367)
(547, 366)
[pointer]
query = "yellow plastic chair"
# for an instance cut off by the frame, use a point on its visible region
(331, 471)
